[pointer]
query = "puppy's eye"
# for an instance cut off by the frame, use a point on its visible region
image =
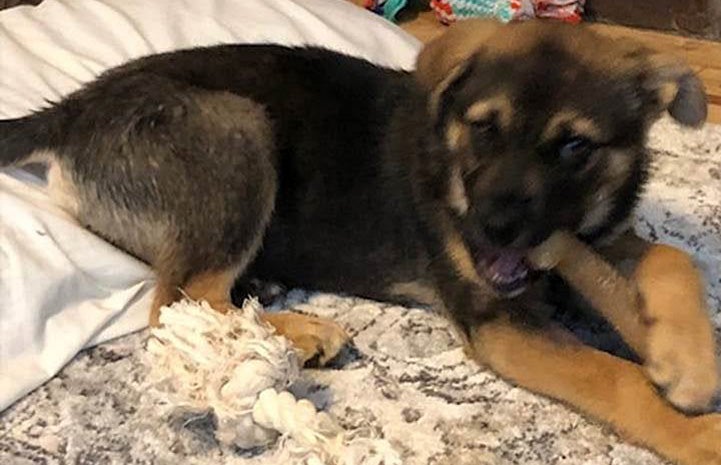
(484, 129)
(482, 125)
(574, 148)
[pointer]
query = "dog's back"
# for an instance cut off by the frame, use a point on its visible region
(179, 159)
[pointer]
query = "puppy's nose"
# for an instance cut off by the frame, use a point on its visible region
(509, 218)
(511, 202)
(505, 234)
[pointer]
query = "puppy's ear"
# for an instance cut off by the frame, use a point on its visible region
(679, 90)
(441, 55)
(443, 60)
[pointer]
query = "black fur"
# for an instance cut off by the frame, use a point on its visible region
(186, 158)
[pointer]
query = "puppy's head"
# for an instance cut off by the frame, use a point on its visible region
(546, 125)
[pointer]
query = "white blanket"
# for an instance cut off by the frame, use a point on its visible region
(62, 287)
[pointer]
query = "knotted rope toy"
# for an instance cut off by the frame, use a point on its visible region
(236, 365)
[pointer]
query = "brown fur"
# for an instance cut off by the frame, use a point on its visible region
(678, 346)
(314, 338)
(605, 387)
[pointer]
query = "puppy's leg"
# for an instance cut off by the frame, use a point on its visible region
(614, 296)
(678, 341)
(182, 178)
(213, 287)
(605, 387)
(166, 292)
(660, 312)
(680, 346)
(312, 337)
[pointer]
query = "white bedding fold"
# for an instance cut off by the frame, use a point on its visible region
(63, 288)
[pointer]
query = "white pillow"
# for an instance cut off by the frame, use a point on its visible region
(62, 288)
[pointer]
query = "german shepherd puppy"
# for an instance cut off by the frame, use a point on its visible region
(315, 169)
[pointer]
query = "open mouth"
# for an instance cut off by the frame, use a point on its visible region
(506, 270)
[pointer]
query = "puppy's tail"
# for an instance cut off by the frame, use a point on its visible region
(20, 137)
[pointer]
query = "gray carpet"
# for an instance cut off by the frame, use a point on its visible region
(407, 379)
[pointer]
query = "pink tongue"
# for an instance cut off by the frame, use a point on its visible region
(508, 264)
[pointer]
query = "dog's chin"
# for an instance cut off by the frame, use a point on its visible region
(506, 270)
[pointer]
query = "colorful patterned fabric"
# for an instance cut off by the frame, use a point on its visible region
(386, 8)
(448, 11)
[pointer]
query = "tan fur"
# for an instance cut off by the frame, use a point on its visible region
(458, 252)
(613, 296)
(578, 124)
(500, 105)
(667, 93)
(660, 313)
(457, 192)
(311, 336)
(618, 169)
(680, 345)
(165, 294)
(213, 287)
(421, 293)
(61, 188)
(607, 388)
(456, 133)
(439, 57)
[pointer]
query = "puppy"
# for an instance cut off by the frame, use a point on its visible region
(314, 169)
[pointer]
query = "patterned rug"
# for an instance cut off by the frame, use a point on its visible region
(406, 379)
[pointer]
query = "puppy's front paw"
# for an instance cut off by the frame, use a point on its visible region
(682, 363)
(680, 347)
(314, 338)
